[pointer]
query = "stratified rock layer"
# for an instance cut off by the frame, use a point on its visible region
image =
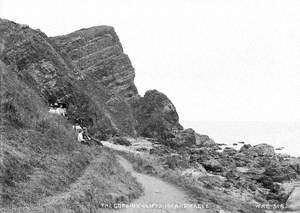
(87, 70)
(97, 52)
(46, 68)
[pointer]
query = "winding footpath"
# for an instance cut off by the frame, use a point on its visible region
(166, 197)
(293, 202)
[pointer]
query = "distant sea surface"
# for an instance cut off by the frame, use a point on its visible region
(277, 134)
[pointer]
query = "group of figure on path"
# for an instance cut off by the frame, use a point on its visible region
(81, 131)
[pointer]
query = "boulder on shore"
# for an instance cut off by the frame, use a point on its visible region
(184, 138)
(213, 165)
(263, 150)
(174, 161)
(229, 151)
(245, 148)
(189, 137)
(280, 173)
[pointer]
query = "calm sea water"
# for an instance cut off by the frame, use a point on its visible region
(277, 134)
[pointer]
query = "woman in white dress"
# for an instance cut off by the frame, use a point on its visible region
(80, 136)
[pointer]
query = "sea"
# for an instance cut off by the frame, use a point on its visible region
(284, 135)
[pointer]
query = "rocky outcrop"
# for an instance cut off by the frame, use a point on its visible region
(175, 160)
(279, 173)
(213, 165)
(188, 138)
(28, 52)
(263, 150)
(97, 52)
(245, 148)
(293, 163)
(229, 151)
(156, 115)
(204, 140)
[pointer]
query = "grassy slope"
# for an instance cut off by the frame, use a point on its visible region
(42, 167)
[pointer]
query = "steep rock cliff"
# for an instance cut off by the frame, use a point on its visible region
(45, 69)
(89, 71)
(97, 52)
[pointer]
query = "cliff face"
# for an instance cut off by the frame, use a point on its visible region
(47, 69)
(87, 70)
(97, 52)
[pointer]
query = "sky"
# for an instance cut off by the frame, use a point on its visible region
(233, 60)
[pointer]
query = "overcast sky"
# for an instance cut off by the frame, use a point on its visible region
(230, 60)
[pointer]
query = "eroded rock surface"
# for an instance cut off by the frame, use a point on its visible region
(156, 115)
(263, 150)
(97, 52)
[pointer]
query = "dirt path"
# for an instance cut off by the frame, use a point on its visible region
(293, 202)
(159, 193)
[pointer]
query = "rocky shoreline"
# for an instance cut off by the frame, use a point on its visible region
(256, 174)
(255, 171)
